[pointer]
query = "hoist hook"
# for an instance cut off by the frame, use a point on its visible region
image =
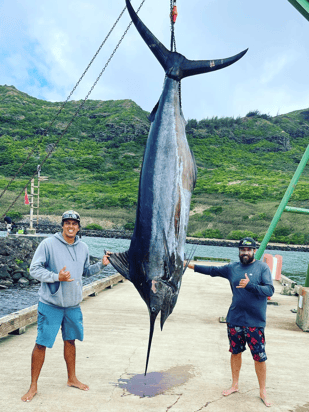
(174, 14)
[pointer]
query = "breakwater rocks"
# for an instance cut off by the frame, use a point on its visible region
(234, 243)
(51, 229)
(16, 253)
(15, 258)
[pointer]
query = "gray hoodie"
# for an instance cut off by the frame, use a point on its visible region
(50, 257)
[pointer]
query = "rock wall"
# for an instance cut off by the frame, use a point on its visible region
(15, 258)
(51, 228)
(234, 243)
(125, 234)
(16, 254)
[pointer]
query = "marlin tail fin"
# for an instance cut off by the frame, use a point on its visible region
(176, 66)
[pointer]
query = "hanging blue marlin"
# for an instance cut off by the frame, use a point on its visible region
(154, 261)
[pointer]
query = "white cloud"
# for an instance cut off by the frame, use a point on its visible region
(45, 47)
(272, 68)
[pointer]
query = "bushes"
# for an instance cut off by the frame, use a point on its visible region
(15, 216)
(129, 226)
(284, 234)
(206, 216)
(256, 113)
(240, 234)
(94, 226)
(215, 209)
(210, 234)
(122, 200)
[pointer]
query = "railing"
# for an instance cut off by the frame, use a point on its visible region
(17, 322)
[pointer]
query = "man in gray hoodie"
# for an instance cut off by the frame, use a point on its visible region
(59, 263)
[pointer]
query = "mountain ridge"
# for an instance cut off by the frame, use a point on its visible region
(244, 163)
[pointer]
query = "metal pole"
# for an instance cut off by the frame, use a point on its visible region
(307, 279)
(296, 210)
(283, 203)
(38, 202)
(31, 203)
(302, 6)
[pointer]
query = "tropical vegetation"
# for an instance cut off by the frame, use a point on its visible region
(244, 164)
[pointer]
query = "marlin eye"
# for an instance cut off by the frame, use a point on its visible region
(153, 309)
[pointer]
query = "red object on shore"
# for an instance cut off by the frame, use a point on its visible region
(26, 197)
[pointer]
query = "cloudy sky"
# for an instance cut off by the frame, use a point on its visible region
(45, 46)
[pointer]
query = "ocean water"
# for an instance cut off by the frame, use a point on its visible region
(294, 265)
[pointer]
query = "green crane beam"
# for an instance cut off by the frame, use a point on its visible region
(296, 210)
(283, 203)
(302, 6)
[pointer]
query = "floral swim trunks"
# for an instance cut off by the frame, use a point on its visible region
(254, 337)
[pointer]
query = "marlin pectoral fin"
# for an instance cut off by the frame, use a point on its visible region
(190, 257)
(120, 262)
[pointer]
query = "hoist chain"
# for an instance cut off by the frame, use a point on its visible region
(173, 40)
(81, 105)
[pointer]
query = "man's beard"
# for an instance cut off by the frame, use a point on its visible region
(245, 259)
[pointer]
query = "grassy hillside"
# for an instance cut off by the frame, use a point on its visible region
(244, 164)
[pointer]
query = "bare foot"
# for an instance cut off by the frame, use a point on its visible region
(232, 389)
(264, 400)
(77, 384)
(29, 395)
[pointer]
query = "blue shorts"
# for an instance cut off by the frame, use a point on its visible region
(50, 318)
(254, 337)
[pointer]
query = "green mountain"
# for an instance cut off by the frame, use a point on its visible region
(244, 164)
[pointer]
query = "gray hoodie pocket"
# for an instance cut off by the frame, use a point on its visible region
(53, 287)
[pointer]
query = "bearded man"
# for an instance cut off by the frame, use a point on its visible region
(251, 284)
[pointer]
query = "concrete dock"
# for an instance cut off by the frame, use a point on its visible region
(189, 362)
